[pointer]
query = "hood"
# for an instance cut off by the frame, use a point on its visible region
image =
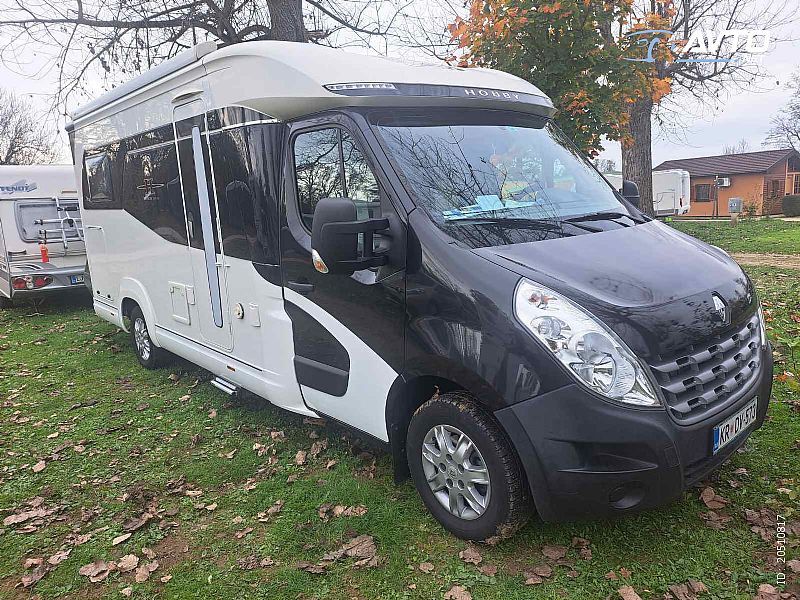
(650, 283)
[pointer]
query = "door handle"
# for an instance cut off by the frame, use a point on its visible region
(300, 288)
(97, 227)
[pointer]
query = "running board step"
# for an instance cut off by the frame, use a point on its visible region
(224, 385)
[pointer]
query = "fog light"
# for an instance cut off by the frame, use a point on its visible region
(626, 495)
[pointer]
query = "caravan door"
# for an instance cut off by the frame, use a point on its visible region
(210, 292)
(347, 329)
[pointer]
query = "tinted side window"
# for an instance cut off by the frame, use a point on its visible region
(246, 216)
(152, 191)
(360, 182)
(98, 174)
(318, 169)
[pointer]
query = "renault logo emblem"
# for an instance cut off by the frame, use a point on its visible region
(721, 308)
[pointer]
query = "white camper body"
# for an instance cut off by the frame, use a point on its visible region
(161, 236)
(39, 207)
(671, 191)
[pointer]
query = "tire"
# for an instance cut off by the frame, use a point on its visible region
(150, 356)
(496, 510)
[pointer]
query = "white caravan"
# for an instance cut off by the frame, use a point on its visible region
(41, 237)
(670, 191)
(411, 251)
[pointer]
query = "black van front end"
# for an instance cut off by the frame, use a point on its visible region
(589, 458)
(623, 359)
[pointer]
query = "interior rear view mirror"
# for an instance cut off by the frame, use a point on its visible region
(334, 238)
(630, 191)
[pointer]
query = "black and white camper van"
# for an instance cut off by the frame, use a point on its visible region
(419, 253)
(41, 236)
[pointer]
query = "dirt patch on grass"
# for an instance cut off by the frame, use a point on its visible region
(784, 261)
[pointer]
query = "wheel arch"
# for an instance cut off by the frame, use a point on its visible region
(133, 293)
(416, 386)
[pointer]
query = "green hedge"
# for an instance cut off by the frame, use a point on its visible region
(791, 206)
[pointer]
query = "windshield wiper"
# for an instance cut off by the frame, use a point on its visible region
(544, 224)
(606, 216)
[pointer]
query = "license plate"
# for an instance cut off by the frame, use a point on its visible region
(75, 279)
(734, 426)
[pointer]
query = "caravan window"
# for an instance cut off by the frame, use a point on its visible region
(329, 164)
(152, 191)
(246, 214)
(98, 174)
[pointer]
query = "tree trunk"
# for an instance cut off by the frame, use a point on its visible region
(286, 20)
(637, 157)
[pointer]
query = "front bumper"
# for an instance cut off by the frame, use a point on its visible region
(62, 280)
(588, 458)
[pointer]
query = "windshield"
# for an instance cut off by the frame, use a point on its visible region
(498, 170)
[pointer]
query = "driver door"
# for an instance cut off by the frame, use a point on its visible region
(347, 329)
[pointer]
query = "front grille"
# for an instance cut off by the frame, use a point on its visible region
(705, 378)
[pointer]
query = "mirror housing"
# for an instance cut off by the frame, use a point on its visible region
(630, 191)
(334, 238)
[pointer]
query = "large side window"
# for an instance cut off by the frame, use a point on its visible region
(329, 164)
(152, 191)
(98, 177)
(318, 169)
(247, 216)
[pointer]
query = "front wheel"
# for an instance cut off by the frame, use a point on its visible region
(465, 469)
(150, 356)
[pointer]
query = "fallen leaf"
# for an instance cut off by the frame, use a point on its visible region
(488, 570)
(39, 466)
(470, 555)
(300, 457)
(794, 565)
(698, 587)
(126, 591)
(34, 576)
(543, 570)
(121, 538)
(457, 592)
(624, 573)
(361, 547)
(711, 499)
(611, 575)
(426, 567)
(148, 553)
(142, 574)
(165, 578)
(212, 414)
(240, 534)
(628, 593)
(32, 562)
(59, 557)
(137, 522)
(532, 579)
(316, 569)
(97, 571)
(211, 507)
(128, 563)
(554, 552)
(767, 592)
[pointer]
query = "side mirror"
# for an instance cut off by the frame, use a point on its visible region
(630, 191)
(334, 238)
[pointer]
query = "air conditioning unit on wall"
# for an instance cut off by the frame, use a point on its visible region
(723, 182)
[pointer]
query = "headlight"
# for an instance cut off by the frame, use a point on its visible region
(762, 326)
(591, 351)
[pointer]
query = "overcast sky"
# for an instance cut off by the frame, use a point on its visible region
(741, 114)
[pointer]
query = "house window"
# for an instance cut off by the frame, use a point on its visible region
(796, 187)
(702, 192)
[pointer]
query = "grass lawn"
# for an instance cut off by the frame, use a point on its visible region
(750, 235)
(220, 505)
